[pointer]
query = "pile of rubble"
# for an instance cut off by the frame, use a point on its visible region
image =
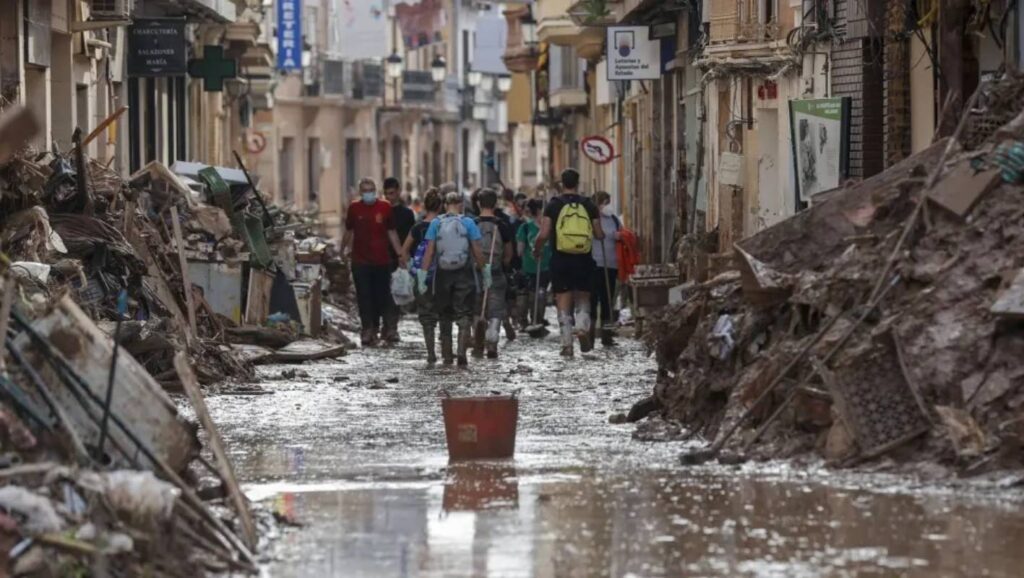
(886, 321)
(113, 293)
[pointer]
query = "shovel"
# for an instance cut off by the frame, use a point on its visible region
(481, 323)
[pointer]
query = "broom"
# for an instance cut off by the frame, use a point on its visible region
(537, 330)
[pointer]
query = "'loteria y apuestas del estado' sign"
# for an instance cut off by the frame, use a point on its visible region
(632, 55)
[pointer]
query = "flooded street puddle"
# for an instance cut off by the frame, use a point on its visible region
(354, 451)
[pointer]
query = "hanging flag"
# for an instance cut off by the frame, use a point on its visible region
(289, 35)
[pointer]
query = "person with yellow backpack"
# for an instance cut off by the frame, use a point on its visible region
(573, 223)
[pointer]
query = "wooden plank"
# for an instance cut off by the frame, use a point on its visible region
(226, 469)
(962, 188)
(257, 304)
(162, 289)
(138, 399)
(185, 280)
(1010, 303)
(284, 356)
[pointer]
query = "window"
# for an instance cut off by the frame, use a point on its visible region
(351, 164)
(287, 169)
(313, 170)
(570, 68)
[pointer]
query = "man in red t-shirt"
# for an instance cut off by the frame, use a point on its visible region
(369, 230)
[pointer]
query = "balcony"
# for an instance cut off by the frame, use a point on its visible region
(519, 56)
(554, 24)
(742, 21)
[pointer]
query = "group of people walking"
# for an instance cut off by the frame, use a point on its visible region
(484, 264)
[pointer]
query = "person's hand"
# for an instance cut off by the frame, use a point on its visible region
(487, 276)
(421, 281)
(403, 261)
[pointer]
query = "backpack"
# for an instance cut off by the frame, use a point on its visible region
(627, 249)
(417, 258)
(488, 230)
(574, 231)
(452, 243)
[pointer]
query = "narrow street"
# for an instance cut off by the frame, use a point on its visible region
(354, 451)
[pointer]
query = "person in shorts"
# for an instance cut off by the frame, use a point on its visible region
(572, 223)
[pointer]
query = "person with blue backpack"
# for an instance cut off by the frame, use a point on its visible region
(417, 243)
(453, 244)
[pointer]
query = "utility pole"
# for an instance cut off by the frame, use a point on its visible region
(460, 75)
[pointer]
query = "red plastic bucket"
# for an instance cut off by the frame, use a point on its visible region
(480, 428)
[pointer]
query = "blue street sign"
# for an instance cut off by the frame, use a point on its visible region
(289, 35)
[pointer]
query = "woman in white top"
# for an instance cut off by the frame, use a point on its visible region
(603, 288)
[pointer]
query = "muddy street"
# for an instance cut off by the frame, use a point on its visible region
(354, 451)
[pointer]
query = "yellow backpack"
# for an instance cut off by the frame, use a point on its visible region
(574, 232)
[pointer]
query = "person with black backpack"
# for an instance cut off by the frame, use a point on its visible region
(575, 223)
(453, 242)
(496, 241)
(416, 244)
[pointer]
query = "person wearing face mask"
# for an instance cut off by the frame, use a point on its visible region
(369, 236)
(602, 293)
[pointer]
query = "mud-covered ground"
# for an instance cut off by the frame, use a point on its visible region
(354, 451)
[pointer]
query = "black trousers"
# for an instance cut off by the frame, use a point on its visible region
(599, 295)
(373, 293)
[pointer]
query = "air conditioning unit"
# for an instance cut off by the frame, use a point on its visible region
(111, 9)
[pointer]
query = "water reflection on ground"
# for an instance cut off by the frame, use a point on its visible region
(354, 451)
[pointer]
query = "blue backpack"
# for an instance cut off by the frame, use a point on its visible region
(417, 258)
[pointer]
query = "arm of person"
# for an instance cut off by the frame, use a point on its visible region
(543, 236)
(506, 258)
(598, 229)
(406, 248)
(396, 245)
(346, 242)
(428, 256)
(478, 253)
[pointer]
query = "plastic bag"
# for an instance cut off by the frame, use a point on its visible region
(402, 287)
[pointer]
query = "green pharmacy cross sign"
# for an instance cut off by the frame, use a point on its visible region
(213, 68)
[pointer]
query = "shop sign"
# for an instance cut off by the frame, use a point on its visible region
(632, 55)
(289, 35)
(598, 149)
(157, 47)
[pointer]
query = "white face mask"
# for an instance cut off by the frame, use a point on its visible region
(607, 211)
(369, 198)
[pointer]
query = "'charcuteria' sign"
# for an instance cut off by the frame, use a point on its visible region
(632, 55)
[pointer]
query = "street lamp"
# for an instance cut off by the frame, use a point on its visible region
(474, 77)
(438, 68)
(529, 26)
(487, 83)
(504, 83)
(394, 65)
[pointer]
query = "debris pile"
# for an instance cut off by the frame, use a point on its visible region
(112, 293)
(887, 319)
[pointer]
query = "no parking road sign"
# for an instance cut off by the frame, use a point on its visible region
(598, 149)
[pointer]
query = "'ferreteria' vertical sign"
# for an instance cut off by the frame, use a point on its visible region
(157, 47)
(289, 35)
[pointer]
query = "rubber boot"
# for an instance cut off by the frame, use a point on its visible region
(428, 340)
(565, 333)
(583, 327)
(464, 329)
(523, 305)
(510, 330)
(369, 337)
(447, 355)
(607, 337)
(492, 337)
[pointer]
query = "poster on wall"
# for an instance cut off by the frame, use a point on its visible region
(820, 130)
